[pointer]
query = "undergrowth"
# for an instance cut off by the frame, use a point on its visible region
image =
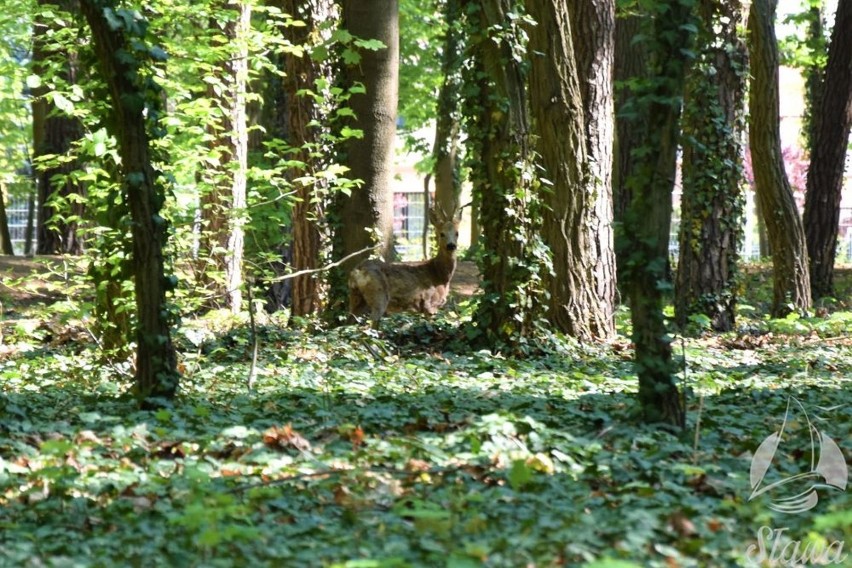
(406, 448)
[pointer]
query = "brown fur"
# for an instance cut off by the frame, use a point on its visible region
(378, 287)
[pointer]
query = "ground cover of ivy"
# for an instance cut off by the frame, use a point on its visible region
(406, 447)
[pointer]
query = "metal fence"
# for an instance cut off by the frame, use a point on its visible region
(409, 217)
(750, 244)
(17, 212)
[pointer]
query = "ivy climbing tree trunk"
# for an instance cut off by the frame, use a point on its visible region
(791, 285)
(832, 119)
(447, 121)
(223, 206)
(501, 173)
(712, 203)
(647, 220)
(117, 36)
(630, 66)
(581, 291)
(305, 137)
(60, 199)
(370, 158)
(814, 70)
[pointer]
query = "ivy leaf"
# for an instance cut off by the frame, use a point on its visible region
(113, 21)
(158, 53)
(519, 474)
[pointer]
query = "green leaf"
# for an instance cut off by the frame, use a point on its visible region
(63, 103)
(519, 474)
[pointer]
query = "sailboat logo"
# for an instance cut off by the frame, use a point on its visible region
(799, 492)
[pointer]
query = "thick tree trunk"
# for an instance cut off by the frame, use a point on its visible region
(712, 203)
(370, 159)
(630, 64)
(156, 360)
(648, 219)
(791, 285)
(502, 175)
(831, 124)
(53, 134)
(572, 224)
(813, 72)
(593, 25)
(304, 137)
(223, 206)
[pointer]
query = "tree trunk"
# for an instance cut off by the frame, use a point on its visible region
(31, 214)
(156, 360)
(223, 206)
(813, 72)
(5, 235)
(370, 159)
(832, 120)
(712, 201)
(630, 65)
(580, 292)
(593, 25)
(447, 128)
(53, 135)
(648, 219)
(791, 285)
(763, 238)
(304, 137)
(501, 174)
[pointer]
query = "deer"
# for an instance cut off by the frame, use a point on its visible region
(381, 287)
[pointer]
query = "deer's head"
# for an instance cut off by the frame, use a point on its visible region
(446, 227)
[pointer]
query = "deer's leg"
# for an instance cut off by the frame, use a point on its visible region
(378, 308)
(357, 302)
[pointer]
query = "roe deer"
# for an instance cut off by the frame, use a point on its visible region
(382, 287)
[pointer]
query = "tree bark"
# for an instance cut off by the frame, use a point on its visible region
(223, 206)
(501, 175)
(831, 124)
(156, 360)
(648, 219)
(304, 137)
(5, 235)
(813, 72)
(791, 284)
(580, 290)
(712, 202)
(630, 65)
(447, 127)
(59, 202)
(370, 159)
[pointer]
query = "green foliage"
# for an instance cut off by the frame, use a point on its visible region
(405, 449)
(420, 73)
(14, 108)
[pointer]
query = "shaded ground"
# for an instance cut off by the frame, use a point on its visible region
(27, 279)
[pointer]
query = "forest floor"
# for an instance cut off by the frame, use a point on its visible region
(409, 447)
